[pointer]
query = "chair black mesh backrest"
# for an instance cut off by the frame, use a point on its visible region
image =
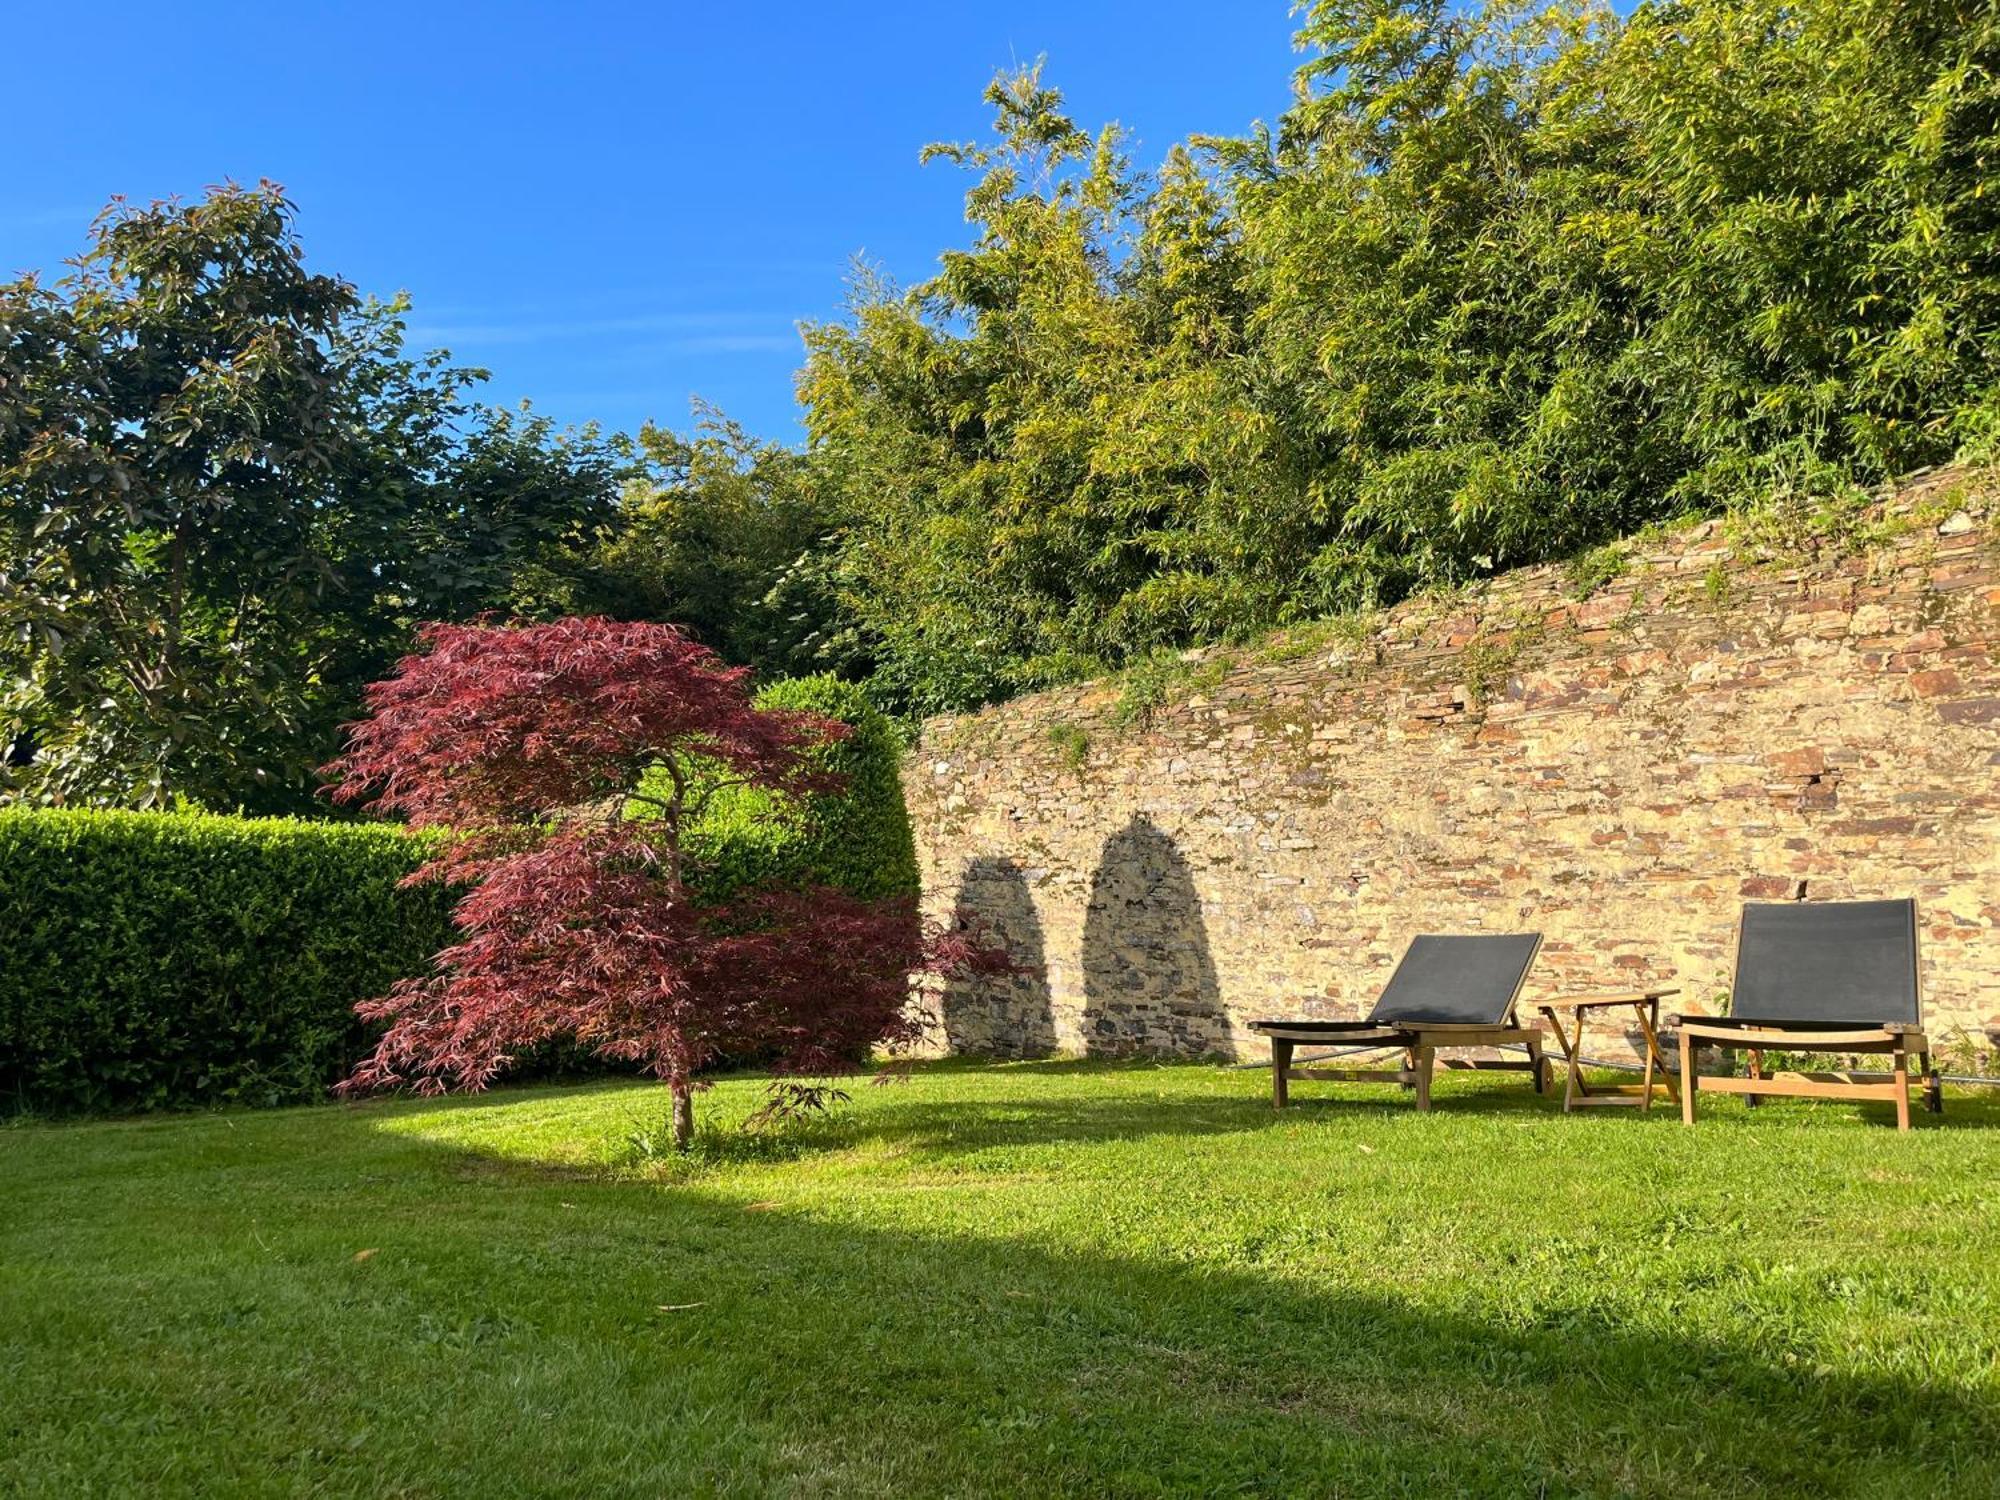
(1469, 981)
(1827, 962)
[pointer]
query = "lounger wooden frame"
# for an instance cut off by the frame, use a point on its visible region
(1419, 1041)
(1902, 1042)
(1420, 1060)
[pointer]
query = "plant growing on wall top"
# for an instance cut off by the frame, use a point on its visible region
(529, 748)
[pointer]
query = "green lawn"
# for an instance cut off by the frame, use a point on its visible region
(1035, 1278)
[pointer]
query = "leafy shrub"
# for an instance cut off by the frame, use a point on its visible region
(1071, 745)
(153, 960)
(169, 960)
(857, 839)
(580, 922)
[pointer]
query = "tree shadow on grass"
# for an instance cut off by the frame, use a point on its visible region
(1240, 1104)
(899, 1341)
(912, 1118)
(914, 1122)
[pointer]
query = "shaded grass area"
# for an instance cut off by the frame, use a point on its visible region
(1030, 1278)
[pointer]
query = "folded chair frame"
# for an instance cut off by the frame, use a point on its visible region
(1904, 1043)
(1418, 1038)
(1419, 1044)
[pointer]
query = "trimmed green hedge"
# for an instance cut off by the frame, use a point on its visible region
(858, 839)
(153, 960)
(150, 960)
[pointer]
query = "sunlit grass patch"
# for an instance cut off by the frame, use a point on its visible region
(1038, 1277)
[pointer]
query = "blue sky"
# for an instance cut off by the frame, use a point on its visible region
(613, 208)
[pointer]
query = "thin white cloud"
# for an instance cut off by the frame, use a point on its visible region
(549, 330)
(736, 343)
(49, 218)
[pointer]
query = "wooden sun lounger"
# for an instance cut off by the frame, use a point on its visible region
(1448, 992)
(1829, 976)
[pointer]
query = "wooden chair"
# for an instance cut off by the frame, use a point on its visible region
(1826, 976)
(1448, 992)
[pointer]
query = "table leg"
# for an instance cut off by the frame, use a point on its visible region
(1902, 1075)
(1649, 1023)
(1690, 1080)
(1568, 1052)
(1281, 1063)
(1576, 1087)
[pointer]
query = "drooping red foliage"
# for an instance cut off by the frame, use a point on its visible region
(526, 746)
(573, 940)
(494, 728)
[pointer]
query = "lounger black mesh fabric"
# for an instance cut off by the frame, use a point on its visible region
(1465, 981)
(1827, 963)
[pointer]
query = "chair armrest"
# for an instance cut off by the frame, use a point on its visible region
(1776, 1034)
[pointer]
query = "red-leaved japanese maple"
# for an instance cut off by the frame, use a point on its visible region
(528, 747)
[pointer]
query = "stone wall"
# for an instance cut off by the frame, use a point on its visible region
(1617, 767)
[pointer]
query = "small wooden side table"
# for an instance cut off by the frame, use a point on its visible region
(1645, 1004)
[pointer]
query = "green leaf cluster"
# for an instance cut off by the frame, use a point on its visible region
(1501, 285)
(730, 537)
(227, 493)
(168, 960)
(856, 838)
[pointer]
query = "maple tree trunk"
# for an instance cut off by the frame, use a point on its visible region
(683, 1114)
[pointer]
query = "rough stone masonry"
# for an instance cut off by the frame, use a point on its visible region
(1617, 754)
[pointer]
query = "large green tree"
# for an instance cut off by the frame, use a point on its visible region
(1502, 283)
(732, 538)
(226, 494)
(1540, 275)
(1053, 452)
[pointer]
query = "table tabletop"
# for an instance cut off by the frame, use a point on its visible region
(1608, 997)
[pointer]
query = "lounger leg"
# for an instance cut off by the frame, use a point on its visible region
(1933, 1085)
(1756, 1071)
(1902, 1088)
(1281, 1064)
(1690, 1080)
(1425, 1055)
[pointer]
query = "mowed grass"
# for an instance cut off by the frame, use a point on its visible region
(1025, 1279)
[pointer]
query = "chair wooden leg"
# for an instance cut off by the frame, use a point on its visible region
(1756, 1071)
(1902, 1089)
(1425, 1056)
(1690, 1080)
(1281, 1063)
